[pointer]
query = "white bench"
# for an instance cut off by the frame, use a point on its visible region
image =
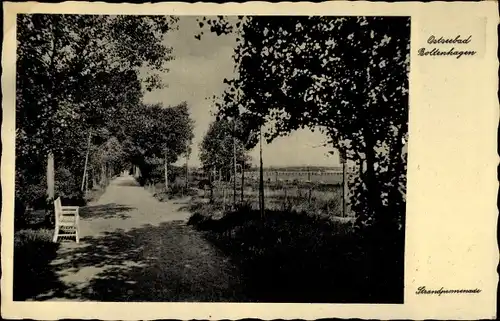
(67, 221)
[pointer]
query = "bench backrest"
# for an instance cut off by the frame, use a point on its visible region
(57, 209)
(59, 212)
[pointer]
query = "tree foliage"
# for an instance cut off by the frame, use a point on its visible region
(155, 132)
(216, 149)
(81, 69)
(81, 76)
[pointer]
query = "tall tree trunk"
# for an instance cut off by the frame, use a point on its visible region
(374, 201)
(53, 91)
(344, 188)
(94, 179)
(242, 181)
(223, 196)
(166, 169)
(103, 174)
(261, 177)
(211, 181)
(86, 160)
(234, 163)
(187, 172)
(397, 201)
(86, 185)
(50, 176)
(106, 170)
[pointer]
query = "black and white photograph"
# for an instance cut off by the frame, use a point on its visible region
(163, 158)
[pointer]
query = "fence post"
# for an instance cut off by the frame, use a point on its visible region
(285, 202)
(211, 190)
(343, 160)
(223, 197)
(242, 183)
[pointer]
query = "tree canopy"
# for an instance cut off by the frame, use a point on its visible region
(83, 77)
(154, 129)
(82, 69)
(216, 149)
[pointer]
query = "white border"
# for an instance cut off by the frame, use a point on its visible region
(451, 209)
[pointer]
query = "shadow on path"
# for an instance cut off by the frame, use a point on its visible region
(169, 262)
(106, 211)
(132, 248)
(126, 182)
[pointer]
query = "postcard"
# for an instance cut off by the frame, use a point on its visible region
(254, 160)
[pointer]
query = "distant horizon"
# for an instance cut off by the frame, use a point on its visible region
(254, 167)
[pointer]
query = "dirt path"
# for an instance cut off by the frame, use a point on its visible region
(135, 248)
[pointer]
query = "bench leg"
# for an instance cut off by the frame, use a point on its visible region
(56, 234)
(77, 235)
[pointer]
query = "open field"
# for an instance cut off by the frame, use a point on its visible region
(271, 175)
(318, 192)
(322, 200)
(330, 177)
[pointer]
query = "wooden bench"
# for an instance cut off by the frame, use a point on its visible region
(67, 221)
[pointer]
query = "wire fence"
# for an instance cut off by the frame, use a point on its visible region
(319, 197)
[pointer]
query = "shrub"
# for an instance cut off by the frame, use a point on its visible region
(30, 236)
(68, 188)
(175, 190)
(33, 252)
(20, 212)
(73, 198)
(94, 194)
(155, 173)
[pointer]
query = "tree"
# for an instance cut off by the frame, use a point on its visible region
(75, 73)
(188, 155)
(156, 132)
(346, 76)
(216, 149)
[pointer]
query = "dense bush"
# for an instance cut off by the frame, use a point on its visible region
(33, 252)
(155, 173)
(176, 189)
(67, 183)
(30, 185)
(31, 194)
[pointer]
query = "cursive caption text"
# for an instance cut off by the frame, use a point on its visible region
(450, 44)
(424, 290)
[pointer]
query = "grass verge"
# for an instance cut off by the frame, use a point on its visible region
(290, 256)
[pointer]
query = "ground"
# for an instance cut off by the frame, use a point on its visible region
(135, 248)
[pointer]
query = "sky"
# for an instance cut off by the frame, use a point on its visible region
(197, 73)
